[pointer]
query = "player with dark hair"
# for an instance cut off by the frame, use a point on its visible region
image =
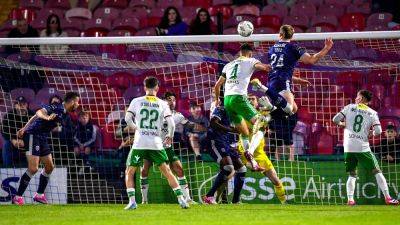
(35, 133)
(146, 115)
(357, 120)
(220, 141)
(283, 57)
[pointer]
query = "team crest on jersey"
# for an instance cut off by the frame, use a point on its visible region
(37, 147)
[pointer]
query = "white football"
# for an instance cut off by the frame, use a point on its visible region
(245, 28)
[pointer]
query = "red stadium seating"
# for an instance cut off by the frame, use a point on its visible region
(275, 9)
(320, 29)
(363, 8)
(265, 30)
(197, 3)
(226, 11)
(137, 13)
(28, 14)
(300, 23)
(115, 3)
(325, 144)
(271, 21)
(98, 23)
(109, 142)
(328, 9)
(307, 9)
(107, 13)
(329, 20)
(31, 4)
(381, 19)
(45, 12)
(150, 31)
(353, 22)
(126, 24)
(142, 3)
(341, 2)
(61, 4)
(28, 93)
(166, 3)
(221, 2)
(80, 13)
(39, 23)
(246, 10)
(121, 80)
(233, 21)
(156, 12)
(349, 78)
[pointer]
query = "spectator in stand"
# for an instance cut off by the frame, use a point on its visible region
(92, 4)
(23, 30)
(53, 29)
(171, 23)
(198, 132)
(390, 146)
(12, 122)
(202, 24)
(85, 138)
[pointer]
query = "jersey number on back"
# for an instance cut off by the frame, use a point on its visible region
(279, 62)
(148, 119)
(234, 72)
(357, 123)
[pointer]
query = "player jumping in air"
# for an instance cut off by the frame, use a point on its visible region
(219, 141)
(149, 112)
(34, 134)
(236, 77)
(173, 160)
(283, 57)
(259, 153)
(357, 120)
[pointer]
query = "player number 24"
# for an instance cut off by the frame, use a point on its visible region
(279, 62)
(149, 117)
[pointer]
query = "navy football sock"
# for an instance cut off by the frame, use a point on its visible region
(23, 183)
(43, 181)
(239, 181)
(219, 180)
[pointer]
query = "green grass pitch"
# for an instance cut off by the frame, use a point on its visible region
(165, 214)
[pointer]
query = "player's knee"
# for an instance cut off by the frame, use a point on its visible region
(49, 168)
(33, 170)
(288, 109)
(375, 171)
(229, 168)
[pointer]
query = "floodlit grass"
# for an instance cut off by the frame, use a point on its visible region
(165, 214)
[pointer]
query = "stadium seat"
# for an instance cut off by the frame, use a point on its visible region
(233, 21)
(363, 8)
(352, 22)
(98, 23)
(265, 30)
(61, 4)
(275, 9)
(142, 3)
(27, 93)
(94, 32)
(151, 21)
(133, 92)
(31, 4)
(197, 3)
(376, 28)
(28, 14)
(47, 92)
(246, 10)
(226, 11)
(307, 9)
(271, 21)
(45, 12)
(328, 9)
(157, 12)
(137, 13)
(299, 22)
(107, 13)
(366, 54)
(121, 4)
(221, 2)
(329, 20)
(121, 33)
(381, 19)
(380, 77)
(39, 23)
(320, 29)
(121, 80)
(80, 13)
(341, 2)
(316, 3)
(166, 3)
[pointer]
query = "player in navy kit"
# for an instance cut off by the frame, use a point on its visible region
(220, 138)
(283, 57)
(35, 134)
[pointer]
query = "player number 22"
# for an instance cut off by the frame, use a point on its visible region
(148, 118)
(279, 62)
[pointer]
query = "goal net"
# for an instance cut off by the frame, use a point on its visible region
(108, 73)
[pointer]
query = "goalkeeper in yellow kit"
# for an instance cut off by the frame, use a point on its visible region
(259, 154)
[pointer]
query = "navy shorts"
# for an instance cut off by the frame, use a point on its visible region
(283, 128)
(279, 85)
(36, 145)
(220, 149)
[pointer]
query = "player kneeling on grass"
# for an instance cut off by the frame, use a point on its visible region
(220, 138)
(283, 57)
(35, 134)
(149, 112)
(236, 76)
(259, 153)
(357, 120)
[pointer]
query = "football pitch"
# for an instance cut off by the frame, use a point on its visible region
(166, 214)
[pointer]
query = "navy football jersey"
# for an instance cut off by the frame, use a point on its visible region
(220, 113)
(40, 126)
(283, 57)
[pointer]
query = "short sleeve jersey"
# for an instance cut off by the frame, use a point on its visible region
(41, 126)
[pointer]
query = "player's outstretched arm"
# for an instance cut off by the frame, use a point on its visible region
(217, 87)
(312, 59)
(42, 114)
(262, 67)
(20, 132)
(215, 123)
(298, 80)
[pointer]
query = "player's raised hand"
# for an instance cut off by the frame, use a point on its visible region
(168, 141)
(20, 133)
(51, 117)
(328, 43)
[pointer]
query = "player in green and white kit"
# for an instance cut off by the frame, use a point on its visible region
(357, 120)
(173, 160)
(149, 112)
(236, 76)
